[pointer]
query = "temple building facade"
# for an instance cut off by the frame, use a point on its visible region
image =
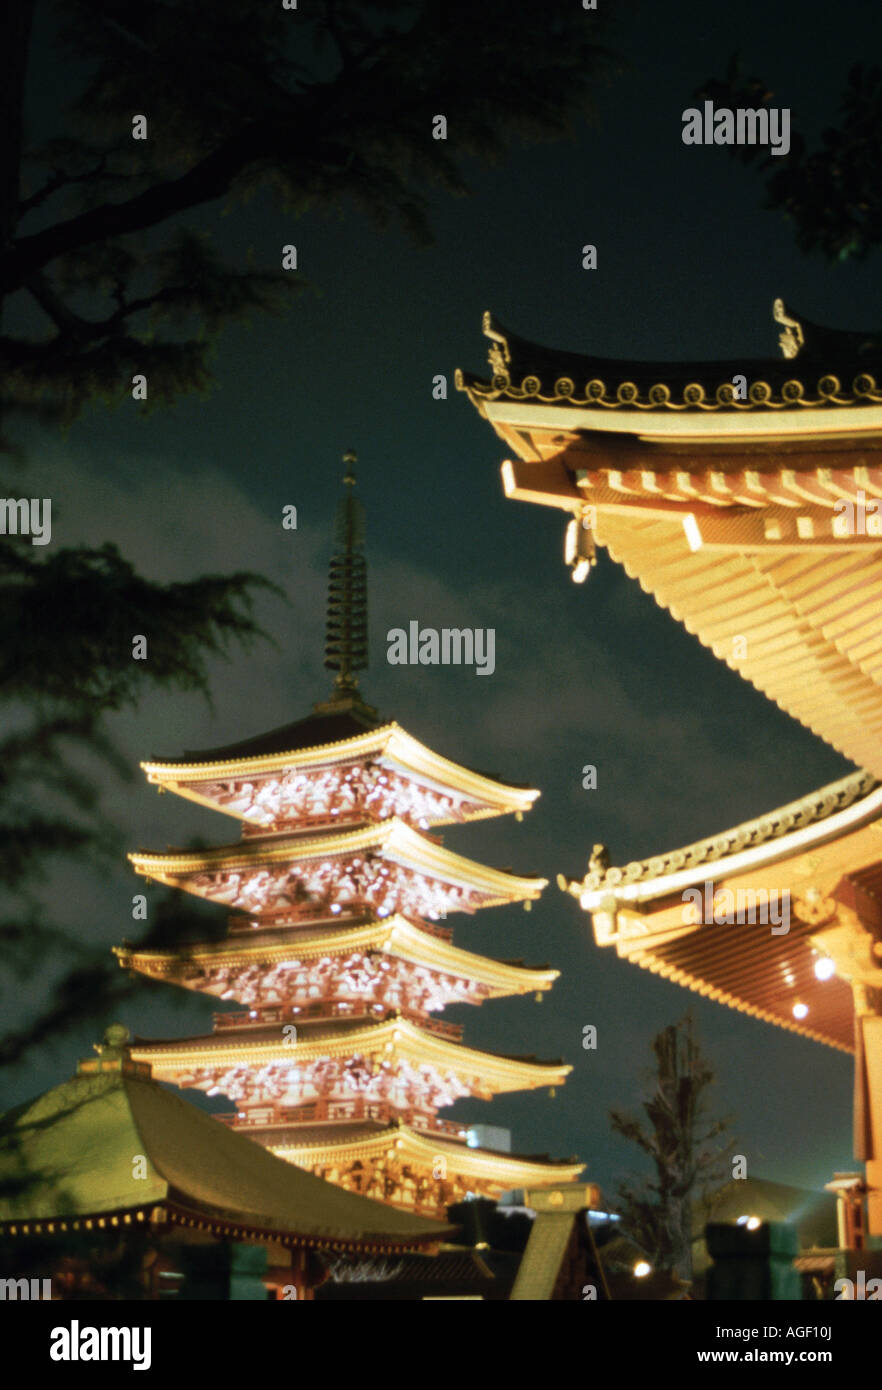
(338, 953)
(746, 497)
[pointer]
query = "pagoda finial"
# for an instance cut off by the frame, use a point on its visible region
(346, 644)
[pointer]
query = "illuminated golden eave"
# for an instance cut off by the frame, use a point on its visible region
(826, 872)
(394, 1036)
(395, 936)
(394, 838)
(716, 425)
(398, 750)
(805, 630)
(420, 1147)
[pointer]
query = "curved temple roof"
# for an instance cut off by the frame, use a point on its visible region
(394, 936)
(757, 523)
(267, 869)
(776, 894)
(326, 740)
(817, 814)
(76, 1144)
(325, 1144)
(833, 368)
(396, 1036)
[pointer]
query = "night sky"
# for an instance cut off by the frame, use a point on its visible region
(688, 267)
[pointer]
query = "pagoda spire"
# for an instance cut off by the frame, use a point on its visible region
(346, 638)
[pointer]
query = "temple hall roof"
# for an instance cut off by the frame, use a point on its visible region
(778, 917)
(811, 810)
(834, 368)
(74, 1146)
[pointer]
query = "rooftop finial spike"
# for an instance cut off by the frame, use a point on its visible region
(346, 645)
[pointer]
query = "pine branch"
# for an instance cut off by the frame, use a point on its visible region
(58, 180)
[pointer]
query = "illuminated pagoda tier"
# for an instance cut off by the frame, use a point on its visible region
(337, 950)
(757, 522)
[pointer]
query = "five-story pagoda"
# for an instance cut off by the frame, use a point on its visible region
(336, 951)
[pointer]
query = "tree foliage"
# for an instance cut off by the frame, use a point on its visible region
(322, 107)
(831, 193)
(108, 269)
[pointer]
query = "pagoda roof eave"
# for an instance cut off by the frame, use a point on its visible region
(514, 1170)
(388, 740)
(802, 628)
(396, 936)
(395, 837)
(341, 1039)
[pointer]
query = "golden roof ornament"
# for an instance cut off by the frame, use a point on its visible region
(792, 339)
(498, 354)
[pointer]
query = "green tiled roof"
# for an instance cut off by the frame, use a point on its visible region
(73, 1152)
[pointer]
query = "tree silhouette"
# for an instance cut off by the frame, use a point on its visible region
(832, 194)
(108, 271)
(323, 106)
(685, 1146)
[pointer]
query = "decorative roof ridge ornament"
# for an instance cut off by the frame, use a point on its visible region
(346, 635)
(793, 338)
(113, 1055)
(498, 354)
(838, 369)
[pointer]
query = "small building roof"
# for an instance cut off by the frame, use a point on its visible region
(71, 1154)
(813, 1213)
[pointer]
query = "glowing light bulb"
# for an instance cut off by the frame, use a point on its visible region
(825, 968)
(800, 1010)
(641, 1269)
